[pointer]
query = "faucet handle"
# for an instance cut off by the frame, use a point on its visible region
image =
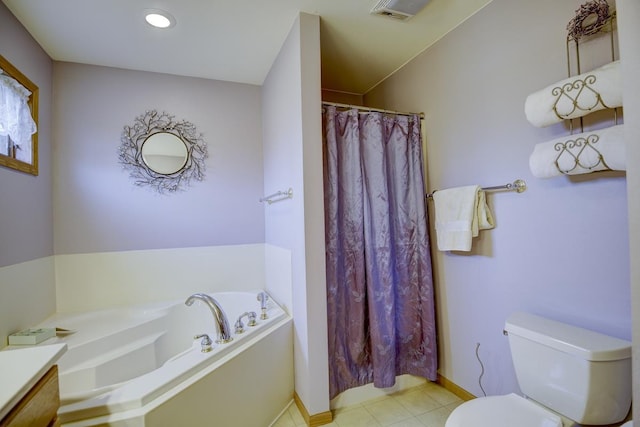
(252, 319)
(239, 326)
(251, 315)
(205, 344)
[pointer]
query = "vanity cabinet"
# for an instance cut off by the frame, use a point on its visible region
(39, 407)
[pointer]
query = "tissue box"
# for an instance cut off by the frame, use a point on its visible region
(31, 336)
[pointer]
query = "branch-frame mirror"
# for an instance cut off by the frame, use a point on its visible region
(162, 153)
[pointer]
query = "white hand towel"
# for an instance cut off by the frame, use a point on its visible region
(539, 105)
(460, 213)
(579, 153)
(483, 219)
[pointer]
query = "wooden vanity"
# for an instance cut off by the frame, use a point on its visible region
(29, 393)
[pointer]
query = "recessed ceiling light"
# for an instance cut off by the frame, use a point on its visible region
(159, 18)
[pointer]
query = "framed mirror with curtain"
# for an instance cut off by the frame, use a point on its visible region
(18, 120)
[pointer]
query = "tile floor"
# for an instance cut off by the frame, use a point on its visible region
(427, 405)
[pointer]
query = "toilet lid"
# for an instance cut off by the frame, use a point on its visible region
(502, 411)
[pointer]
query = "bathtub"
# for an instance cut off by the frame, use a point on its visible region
(140, 365)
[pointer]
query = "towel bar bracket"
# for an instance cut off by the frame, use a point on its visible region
(518, 185)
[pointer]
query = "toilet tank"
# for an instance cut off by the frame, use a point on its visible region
(581, 374)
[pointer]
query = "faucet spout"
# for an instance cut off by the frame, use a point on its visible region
(222, 324)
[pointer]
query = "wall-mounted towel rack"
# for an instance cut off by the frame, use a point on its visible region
(580, 94)
(518, 185)
(278, 196)
(580, 89)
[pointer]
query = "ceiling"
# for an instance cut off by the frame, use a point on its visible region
(236, 40)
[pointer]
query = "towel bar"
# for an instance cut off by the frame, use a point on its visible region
(278, 196)
(518, 185)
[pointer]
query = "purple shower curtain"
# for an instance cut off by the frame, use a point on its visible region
(379, 280)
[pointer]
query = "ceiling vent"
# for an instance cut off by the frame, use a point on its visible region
(398, 9)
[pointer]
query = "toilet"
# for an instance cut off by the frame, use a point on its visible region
(567, 374)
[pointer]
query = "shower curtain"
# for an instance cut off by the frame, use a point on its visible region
(380, 301)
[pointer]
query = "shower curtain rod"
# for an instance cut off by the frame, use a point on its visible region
(368, 109)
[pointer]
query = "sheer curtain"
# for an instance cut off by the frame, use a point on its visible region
(16, 121)
(379, 280)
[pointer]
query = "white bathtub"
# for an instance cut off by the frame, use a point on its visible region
(140, 366)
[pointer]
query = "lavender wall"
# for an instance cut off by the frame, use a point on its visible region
(561, 248)
(292, 158)
(26, 226)
(27, 287)
(96, 206)
(629, 11)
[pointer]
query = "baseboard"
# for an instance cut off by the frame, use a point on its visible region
(315, 419)
(454, 388)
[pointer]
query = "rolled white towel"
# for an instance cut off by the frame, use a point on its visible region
(580, 153)
(576, 96)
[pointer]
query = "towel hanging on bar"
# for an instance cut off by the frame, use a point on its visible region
(461, 213)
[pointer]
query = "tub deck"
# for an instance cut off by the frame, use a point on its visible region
(125, 364)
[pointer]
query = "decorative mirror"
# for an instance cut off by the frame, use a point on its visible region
(161, 153)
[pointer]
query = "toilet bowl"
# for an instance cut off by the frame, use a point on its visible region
(503, 411)
(627, 424)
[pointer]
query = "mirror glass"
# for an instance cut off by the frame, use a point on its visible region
(164, 153)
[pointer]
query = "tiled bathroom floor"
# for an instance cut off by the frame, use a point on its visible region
(426, 405)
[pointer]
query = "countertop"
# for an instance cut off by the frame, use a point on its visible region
(21, 369)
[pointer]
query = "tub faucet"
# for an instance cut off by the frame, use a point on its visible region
(222, 324)
(263, 297)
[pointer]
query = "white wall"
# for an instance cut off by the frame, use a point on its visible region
(629, 16)
(27, 295)
(109, 279)
(560, 249)
(315, 303)
(292, 158)
(277, 275)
